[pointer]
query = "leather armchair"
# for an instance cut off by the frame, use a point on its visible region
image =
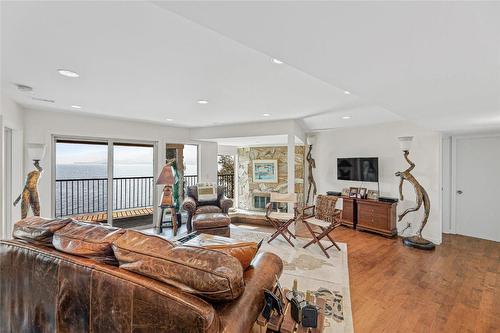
(192, 206)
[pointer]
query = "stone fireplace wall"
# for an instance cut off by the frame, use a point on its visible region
(247, 187)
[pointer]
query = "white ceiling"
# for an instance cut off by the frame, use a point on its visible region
(253, 141)
(437, 63)
(139, 61)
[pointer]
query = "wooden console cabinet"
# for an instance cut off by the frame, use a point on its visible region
(372, 215)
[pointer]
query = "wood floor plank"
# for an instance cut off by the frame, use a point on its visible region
(455, 288)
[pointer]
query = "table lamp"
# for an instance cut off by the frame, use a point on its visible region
(166, 178)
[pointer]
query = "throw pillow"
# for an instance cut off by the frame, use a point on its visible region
(243, 251)
(207, 192)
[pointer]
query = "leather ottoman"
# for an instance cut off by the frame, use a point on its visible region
(212, 223)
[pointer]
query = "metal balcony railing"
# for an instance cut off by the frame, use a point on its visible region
(90, 195)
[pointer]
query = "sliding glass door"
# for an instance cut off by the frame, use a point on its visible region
(105, 181)
(81, 180)
(133, 185)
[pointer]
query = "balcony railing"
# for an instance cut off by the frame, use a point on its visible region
(227, 181)
(83, 196)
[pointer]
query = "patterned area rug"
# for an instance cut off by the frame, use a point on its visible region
(328, 277)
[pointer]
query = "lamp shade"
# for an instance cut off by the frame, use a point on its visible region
(405, 142)
(311, 140)
(36, 151)
(166, 176)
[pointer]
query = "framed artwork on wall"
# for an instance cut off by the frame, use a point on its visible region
(265, 171)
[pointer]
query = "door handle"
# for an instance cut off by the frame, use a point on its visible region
(460, 192)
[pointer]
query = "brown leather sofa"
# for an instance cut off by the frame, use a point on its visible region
(46, 290)
(192, 206)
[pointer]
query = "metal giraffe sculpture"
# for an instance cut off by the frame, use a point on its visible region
(422, 199)
(310, 176)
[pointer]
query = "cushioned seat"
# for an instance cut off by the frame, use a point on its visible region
(212, 223)
(208, 209)
(281, 216)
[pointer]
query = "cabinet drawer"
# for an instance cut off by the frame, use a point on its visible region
(367, 218)
(374, 209)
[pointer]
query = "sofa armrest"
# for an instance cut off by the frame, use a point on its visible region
(189, 205)
(240, 315)
(225, 204)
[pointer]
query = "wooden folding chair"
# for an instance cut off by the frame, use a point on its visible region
(325, 217)
(282, 220)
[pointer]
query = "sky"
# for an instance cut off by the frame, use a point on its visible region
(70, 153)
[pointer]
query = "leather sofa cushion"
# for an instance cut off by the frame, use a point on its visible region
(38, 230)
(208, 209)
(243, 251)
(210, 220)
(88, 240)
(210, 274)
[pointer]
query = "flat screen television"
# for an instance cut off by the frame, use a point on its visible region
(363, 169)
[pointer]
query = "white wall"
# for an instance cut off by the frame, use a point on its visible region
(227, 150)
(381, 141)
(11, 116)
(446, 174)
(276, 127)
(40, 126)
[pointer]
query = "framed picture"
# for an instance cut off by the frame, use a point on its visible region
(353, 192)
(265, 171)
(362, 192)
(372, 194)
(345, 192)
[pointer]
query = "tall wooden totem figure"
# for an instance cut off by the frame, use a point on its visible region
(29, 196)
(422, 197)
(312, 165)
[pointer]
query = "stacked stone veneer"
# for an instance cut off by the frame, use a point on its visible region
(247, 187)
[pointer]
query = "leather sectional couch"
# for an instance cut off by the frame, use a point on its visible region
(54, 283)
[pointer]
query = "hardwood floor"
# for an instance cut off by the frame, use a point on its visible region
(455, 288)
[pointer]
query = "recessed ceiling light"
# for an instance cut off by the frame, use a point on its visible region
(68, 73)
(76, 106)
(266, 114)
(347, 92)
(202, 101)
(277, 61)
(169, 119)
(346, 117)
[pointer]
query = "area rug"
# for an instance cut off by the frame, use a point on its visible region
(326, 277)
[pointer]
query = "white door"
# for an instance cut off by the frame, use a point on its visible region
(477, 187)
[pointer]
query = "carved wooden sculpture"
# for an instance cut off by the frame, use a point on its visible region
(310, 176)
(29, 195)
(422, 199)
